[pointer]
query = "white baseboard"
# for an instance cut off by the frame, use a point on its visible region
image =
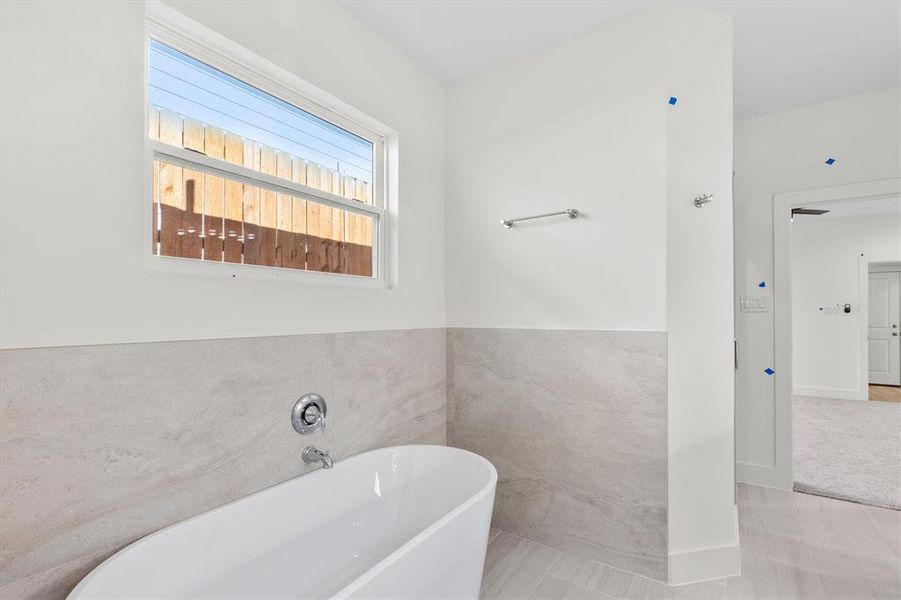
(832, 393)
(764, 475)
(705, 564)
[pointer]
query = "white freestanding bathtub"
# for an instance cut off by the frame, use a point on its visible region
(401, 522)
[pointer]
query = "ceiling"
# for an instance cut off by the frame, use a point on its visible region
(787, 54)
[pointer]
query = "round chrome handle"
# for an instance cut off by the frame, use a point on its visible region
(308, 414)
(311, 414)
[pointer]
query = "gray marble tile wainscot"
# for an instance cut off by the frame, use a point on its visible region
(100, 445)
(575, 422)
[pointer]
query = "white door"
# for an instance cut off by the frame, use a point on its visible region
(883, 339)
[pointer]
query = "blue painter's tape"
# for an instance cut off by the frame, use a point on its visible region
(673, 100)
(769, 371)
(761, 284)
(830, 160)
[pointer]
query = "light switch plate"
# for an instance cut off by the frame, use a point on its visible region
(757, 304)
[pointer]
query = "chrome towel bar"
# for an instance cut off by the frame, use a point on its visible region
(572, 213)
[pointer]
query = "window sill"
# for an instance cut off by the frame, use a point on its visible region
(219, 270)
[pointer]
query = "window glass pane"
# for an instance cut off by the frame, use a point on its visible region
(214, 218)
(195, 106)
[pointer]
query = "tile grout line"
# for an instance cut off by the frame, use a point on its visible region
(583, 558)
(547, 568)
(560, 554)
(720, 581)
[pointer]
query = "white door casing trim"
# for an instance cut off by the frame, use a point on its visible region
(780, 475)
(893, 375)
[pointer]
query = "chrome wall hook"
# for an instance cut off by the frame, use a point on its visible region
(703, 199)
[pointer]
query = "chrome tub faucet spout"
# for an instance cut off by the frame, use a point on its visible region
(313, 455)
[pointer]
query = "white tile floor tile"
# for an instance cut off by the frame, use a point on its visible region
(514, 567)
(551, 588)
(794, 547)
(590, 574)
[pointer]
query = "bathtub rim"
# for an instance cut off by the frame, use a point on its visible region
(364, 577)
(414, 541)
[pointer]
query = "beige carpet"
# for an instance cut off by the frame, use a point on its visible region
(848, 449)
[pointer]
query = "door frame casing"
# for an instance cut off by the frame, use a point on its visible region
(780, 474)
(878, 267)
(884, 266)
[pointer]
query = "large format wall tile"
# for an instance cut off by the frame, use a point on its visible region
(575, 422)
(100, 445)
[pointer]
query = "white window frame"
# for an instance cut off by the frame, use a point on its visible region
(170, 27)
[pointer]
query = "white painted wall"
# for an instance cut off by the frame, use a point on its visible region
(586, 125)
(703, 523)
(580, 125)
(780, 153)
(829, 263)
(72, 214)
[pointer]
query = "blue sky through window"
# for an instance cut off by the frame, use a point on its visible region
(189, 87)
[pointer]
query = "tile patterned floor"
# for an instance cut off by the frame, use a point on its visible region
(794, 547)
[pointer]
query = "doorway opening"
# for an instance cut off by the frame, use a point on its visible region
(835, 304)
(883, 335)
